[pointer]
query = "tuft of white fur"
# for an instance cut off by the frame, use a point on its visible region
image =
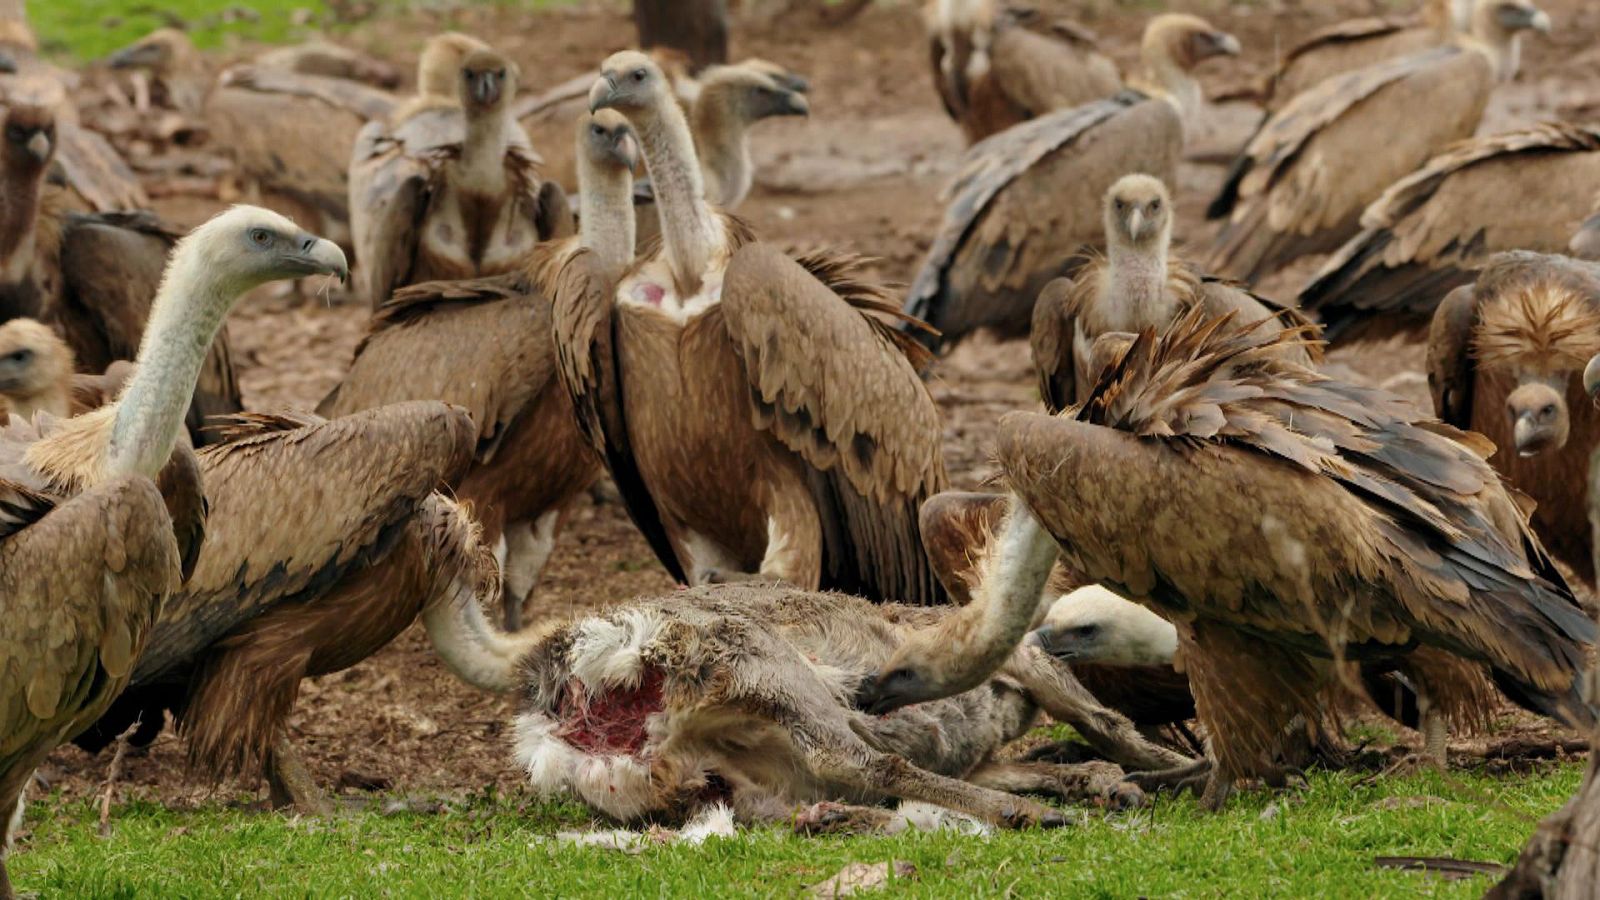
(1130, 635)
(929, 817)
(715, 820)
(608, 653)
(618, 786)
(16, 820)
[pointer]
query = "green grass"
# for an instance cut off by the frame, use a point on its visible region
(1317, 843)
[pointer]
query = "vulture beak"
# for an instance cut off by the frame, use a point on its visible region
(792, 82)
(604, 93)
(1529, 17)
(136, 56)
(1538, 423)
(1049, 640)
(486, 88)
(1591, 378)
(316, 256)
(1136, 224)
(1540, 22)
(8, 63)
(38, 146)
(1225, 44)
(628, 150)
(795, 104)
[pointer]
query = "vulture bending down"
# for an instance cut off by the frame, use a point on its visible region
(91, 275)
(487, 346)
(995, 66)
(1279, 518)
(1025, 207)
(1134, 287)
(758, 419)
(1358, 43)
(1523, 190)
(1301, 183)
(452, 191)
(1504, 359)
(88, 550)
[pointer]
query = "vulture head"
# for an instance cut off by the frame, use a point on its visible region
(1185, 41)
(1138, 213)
(30, 138)
(488, 81)
(245, 247)
(1539, 421)
(749, 93)
(1505, 18)
(1538, 333)
(34, 363)
(162, 52)
(607, 140)
(631, 83)
(786, 78)
(439, 66)
(1092, 624)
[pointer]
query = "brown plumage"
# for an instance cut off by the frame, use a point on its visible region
(1358, 43)
(1429, 232)
(452, 191)
(1504, 359)
(756, 415)
(995, 66)
(1024, 208)
(1300, 185)
(1133, 287)
(35, 369)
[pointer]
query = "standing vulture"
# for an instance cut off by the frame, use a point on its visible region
(1280, 519)
(1133, 287)
(1358, 43)
(88, 550)
(757, 418)
(996, 66)
(1522, 190)
(486, 345)
(1025, 207)
(1301, 183)
(91, 275)
(1504, 359)
(451, 192)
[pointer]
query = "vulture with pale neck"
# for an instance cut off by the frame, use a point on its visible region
(453, 191)
(1430, 231)
(1280, 519)
(758, 418)
(1133, 287)
(1358, 43)
(995, 65)
(1300, 185)
(93, 276)
(1025, 207)
(486, 345)
(1504, 359)
(89, 552)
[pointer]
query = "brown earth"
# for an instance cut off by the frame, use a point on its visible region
(864, 172)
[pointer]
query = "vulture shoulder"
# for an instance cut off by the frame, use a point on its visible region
(339, 93)
(1426, 234)
(1450, 370)
(1341, 47)
(834, 384)
(349, 485)
(1053, 336)
(392, 174)
(1050, 68)
(956, 530)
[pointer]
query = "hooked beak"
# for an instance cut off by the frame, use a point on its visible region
(1225, 44)
(1046, 639)
(796, 104)
(134, 57)
(316, 256)
(486, 89)
(38, 146)
(1540, 22)
(1591, 378)
(1517, 18)
(628, 151)
(603, 95)
(1528, 437)
(1136, 224)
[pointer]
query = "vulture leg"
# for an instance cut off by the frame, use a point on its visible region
(13, 787)
(289, 782)
(1092, 782)
(794, 539)
(528, 549)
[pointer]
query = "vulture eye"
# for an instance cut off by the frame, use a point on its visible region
(1155, 205)
(1548, 411)
(1121, 206)
(639, 74)
(596, 130)
(16, 133)
(20, 356)
(1086, 630)
(260, 237)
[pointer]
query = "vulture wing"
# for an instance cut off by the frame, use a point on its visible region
(1522, 190)
(1339, 48)
(1055, 327)
(296, 148)
(391, 177)
(1451, 372)
(340, 93)
(91, 168)
(1044, 72)
(349, 486)
(835, 385)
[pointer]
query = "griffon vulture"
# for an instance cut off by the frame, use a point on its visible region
(486, 345)
(91, 275)
(757, 418)
(1301, 183)
(995, 66)
(452, 191)
(1133, 287)
(88, 549)
(1358, 43)
(1025, 207)
(1504, 359)
(1320, 520)
(1428, 233)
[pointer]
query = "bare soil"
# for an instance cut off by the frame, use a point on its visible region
(864, 172)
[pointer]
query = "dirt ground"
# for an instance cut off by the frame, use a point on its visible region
(864, 172)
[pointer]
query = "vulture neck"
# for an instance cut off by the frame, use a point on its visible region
(55, 399)
(605, 213)
(1138, 275)
(482, 167)
(19, 216)
(722, 139)
(1174, 82)
(1502, 47)
(690, 235)
(185, 318)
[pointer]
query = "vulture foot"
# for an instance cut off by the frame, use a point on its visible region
(1195, 777)
(289, 783)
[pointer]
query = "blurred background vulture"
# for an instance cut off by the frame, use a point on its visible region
(757, 418)
(1301, 183)
(1025, 205)
(1429, 232)
(996, 65)
(1505, 357)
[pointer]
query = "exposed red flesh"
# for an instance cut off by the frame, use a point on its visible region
(611, 722)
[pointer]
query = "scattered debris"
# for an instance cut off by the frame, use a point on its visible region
(859, 877)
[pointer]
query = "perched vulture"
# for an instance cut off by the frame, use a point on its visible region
(1358, 43)
(89, 551)
(1504, 359)
(758, 419)
(486, 345)
(996, 66)
(1133, 287)
(1025, 206)
(452, 191)
(1428, 233)
(1301, 183)
(1323, 521)
(94, 275)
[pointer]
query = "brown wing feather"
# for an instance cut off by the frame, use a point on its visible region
(391, 176)
(1055, 321)
(339, 93)
(1450, 368)
(92, 169)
